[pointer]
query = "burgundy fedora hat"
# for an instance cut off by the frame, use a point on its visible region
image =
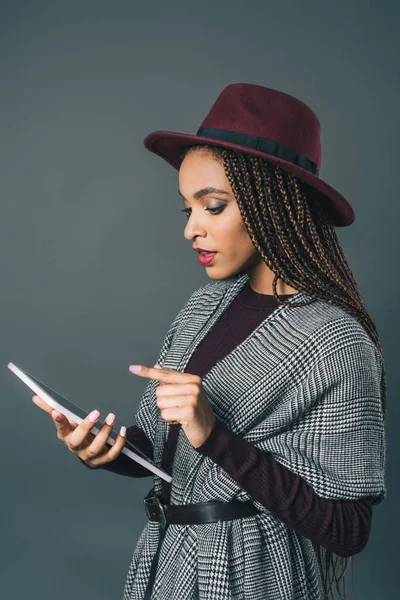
(266, 123)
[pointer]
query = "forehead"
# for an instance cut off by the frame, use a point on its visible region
(199, 171)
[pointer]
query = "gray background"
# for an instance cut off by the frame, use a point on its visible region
(94, 265)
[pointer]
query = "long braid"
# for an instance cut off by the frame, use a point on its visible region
(290, 225)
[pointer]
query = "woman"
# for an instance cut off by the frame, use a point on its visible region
(269, 409)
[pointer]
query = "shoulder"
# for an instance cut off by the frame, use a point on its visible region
(327, 323)
(324, 329)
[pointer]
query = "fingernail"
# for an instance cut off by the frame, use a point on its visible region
(134, 368)
(110, 418)
(55, 416)
(94, 415)
(123, 431)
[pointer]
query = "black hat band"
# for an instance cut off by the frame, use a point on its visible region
(262, 144)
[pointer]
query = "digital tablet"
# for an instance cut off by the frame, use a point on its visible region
(76, 414)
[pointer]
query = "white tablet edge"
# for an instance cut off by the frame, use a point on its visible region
(54, 404)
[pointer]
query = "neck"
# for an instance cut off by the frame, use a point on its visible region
(262, 284)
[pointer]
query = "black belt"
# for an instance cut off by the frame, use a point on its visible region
(204, 512)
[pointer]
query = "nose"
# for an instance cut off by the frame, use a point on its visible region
(195, 225)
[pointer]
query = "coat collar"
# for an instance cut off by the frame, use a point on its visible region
(225, 377)
(207, 309)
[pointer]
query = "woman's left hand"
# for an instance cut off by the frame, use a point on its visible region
(182, 399)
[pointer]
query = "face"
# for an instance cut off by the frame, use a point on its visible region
(214, 221)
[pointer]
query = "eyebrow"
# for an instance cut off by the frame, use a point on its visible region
(204, 192)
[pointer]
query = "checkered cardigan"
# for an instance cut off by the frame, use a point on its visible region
(305, 386)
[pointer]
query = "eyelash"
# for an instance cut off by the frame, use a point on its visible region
(214, 211)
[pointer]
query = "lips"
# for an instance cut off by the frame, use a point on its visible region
(207, 258)
(204, 251)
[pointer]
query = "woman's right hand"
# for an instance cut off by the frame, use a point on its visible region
(90, 448)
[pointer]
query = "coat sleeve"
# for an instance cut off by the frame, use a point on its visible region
(337, 442)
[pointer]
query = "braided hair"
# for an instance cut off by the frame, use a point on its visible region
(290, 224)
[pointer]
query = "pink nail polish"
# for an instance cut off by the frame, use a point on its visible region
(93, 416)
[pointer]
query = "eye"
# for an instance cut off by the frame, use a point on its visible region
(214, 211)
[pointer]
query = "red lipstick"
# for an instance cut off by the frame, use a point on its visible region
(206, 259)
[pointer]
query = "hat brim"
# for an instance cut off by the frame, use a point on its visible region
(169, 145)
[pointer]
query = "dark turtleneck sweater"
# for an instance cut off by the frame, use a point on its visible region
(341, 526)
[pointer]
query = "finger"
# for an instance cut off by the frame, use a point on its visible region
(99, 442)
(173, 415)
(162, 374)
(174, 402)
(63, 425)
(157, 366)
(42, 404)
(182, 389)
(111, 453)
(81, 436)
(50, 410)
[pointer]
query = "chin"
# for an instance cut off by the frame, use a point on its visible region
(214, 276)
(218, 275)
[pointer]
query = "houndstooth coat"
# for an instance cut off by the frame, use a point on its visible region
(304, 386)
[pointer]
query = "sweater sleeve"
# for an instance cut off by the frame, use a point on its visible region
(123, 465)
(341, 526)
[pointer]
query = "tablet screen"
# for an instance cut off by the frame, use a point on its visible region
(82, 414)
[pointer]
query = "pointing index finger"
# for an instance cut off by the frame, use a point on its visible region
(161, 374)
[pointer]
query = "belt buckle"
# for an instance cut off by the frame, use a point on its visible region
(155, 501)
